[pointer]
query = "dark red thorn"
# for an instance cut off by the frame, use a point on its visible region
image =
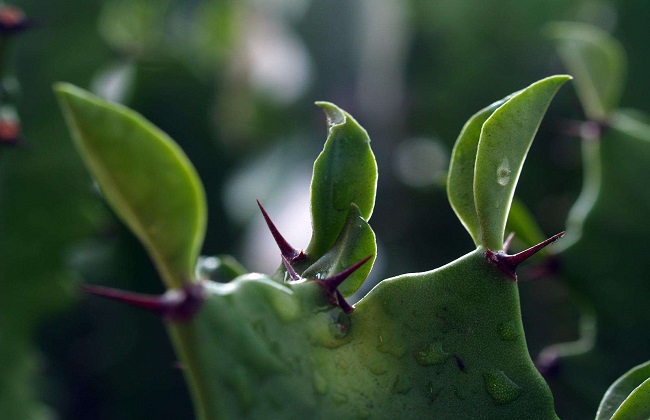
(175, 305)
(290, 253)
(508, 242)
(330, 285)
(509, 263)
(343, 304)
(292, 271)
(336, 280)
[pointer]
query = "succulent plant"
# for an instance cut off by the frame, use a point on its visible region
(446, 342)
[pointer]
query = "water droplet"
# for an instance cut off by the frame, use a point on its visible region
(433, 390)
(431, 354)
(501, 389)
(503, 172)
(401, 385)
(340, 397)
(320, 384)
(508, 331)
(328, 329)
(206, 267)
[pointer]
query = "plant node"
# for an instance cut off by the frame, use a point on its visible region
(330, 285)
(174, 305)
(509, 263)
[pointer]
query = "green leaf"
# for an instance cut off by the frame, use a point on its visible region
(345, 172)
(460, 183)
(628, 397)
(607, 265)
(356, 242)
(504, 142)
(144, 176)
(598, 63)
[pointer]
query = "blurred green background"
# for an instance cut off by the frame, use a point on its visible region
(233, 82)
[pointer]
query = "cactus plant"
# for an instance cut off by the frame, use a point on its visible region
(447, 341)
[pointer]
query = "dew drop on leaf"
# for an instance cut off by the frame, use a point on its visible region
(503, 172)
(501, 389)
(431, 354)
(508, 331)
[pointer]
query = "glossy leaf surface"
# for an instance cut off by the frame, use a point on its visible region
(598, 63)
(460, 182)
(505, 139)
(447, 343)
(628, 397)
(488, 156)
(345, 172)
(356, 242)
(145, 177)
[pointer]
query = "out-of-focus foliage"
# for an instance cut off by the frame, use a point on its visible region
(233, 82)
(608, 279)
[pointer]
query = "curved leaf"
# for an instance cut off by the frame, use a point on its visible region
(615, 220)
(145, 177)
(628, 397)
(598, 63)
(356, 242)
(505, 139)
(345, 172)
(460, 182)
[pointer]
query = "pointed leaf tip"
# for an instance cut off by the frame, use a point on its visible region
(335, 115)
(506, 137)
(144, 176)
(345, 172)
(598, 61)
